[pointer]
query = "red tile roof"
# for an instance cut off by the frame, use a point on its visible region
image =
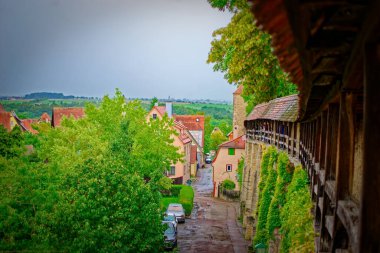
(45, 117)
(28, 125)
(161, 109)
(283, 109)
(239, 90)
(183, 134)
(238, 142)
(192, 122)
(193, 154)
(60, 112)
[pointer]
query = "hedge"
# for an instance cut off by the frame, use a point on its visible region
(186, 198)
(228, 184)
(182, 194)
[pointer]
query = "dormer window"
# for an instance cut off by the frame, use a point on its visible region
(154, 116)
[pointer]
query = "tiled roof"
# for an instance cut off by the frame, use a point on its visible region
(238, 142)
(239, 90)
(192, 122)
(28, 125)
(5, 119)
(161, 109)
(193, 154)
(283, 109)
(45, 117)
(59, 112)
(183, 134)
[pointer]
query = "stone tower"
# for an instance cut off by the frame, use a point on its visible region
(239, 114)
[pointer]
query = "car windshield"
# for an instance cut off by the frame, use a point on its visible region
(169, 218)
(169, 229)
(175, 208)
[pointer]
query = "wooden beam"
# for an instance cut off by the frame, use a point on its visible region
(370, 204)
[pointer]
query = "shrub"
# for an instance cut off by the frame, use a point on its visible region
(228, 184)
(285, 172)
(175, 190)
(186, 198)
(266, 195)
(297, 221)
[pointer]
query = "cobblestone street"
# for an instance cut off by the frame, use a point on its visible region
(213, 226)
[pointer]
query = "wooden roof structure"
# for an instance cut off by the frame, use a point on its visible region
(282, 109)
(319, 43)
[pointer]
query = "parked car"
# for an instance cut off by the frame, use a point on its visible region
(176, 210)
(171, 219)
(170, 235)
(208, 160)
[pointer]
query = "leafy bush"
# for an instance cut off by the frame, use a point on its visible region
(175, 190)
(228, 184)
(285, 171)
(297, 221)
(266, 198)
(186, 198)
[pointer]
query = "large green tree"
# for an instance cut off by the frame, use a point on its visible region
(94, 185)
(243, 52)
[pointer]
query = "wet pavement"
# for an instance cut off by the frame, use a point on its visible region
(213, 226)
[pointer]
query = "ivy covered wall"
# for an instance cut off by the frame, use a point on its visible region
(284, 203)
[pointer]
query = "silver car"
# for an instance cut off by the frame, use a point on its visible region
(176, 210)
(171, 219)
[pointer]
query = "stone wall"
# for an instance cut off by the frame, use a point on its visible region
(249, 189)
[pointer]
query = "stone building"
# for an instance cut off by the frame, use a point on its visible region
(239, 113)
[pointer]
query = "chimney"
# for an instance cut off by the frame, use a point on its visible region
(169, 109)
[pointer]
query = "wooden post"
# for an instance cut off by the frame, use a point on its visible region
(369, 230)
(298, 140)
(345, 145)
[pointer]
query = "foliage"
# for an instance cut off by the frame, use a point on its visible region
(262, 235)
(10, 143)
(231, 5)
(93, 186)
(240, 171)
(243, 52)
(284, 177)
(297, 221)
(186, 198)
(104, 207)
(228, 184)
(217, 138)
(165, 201)
(284, 202)
(153, 103)
(208, 131)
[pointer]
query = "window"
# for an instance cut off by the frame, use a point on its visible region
(231, 151)
(172, 171)
(229, 167)
(154, 116)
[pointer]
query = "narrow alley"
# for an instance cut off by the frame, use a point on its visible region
(213, 226)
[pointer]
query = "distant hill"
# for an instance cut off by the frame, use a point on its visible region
(47, 95)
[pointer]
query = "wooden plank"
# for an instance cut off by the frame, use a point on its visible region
(330, 224)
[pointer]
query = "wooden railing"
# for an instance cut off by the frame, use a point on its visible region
(310, 146)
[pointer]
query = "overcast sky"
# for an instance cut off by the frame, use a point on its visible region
(89, 47)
